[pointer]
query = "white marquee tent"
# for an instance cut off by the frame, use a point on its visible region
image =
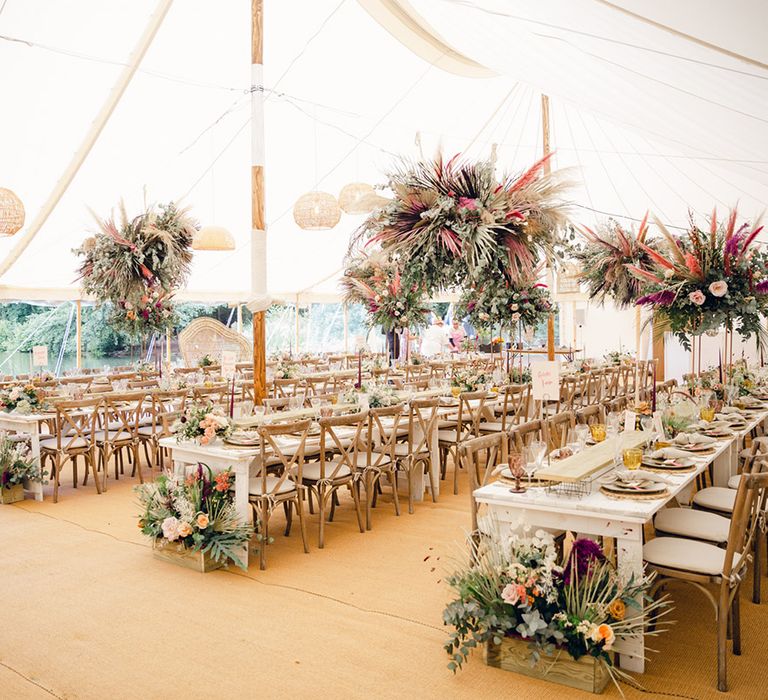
(654, 105)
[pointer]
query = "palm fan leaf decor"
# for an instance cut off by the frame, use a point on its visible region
(136, 266)
(604, 259)
(455, 222)
(378, 285)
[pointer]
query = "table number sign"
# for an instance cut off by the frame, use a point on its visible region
(545, 377)
(630, 418)
(228, 360)
(40, 356)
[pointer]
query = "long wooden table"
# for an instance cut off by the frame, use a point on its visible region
(599, 515)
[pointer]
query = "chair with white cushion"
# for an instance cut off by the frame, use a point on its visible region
(707, 566)
(277, 480)
(481, 456)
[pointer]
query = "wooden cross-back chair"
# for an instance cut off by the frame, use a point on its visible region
(75, 424)
(414, 451)
(714, 571)
(557, 427)
(122, 413)
(464, 426)
(338, 466)
(276, 480)
(514, 409)
(481, 456)
(592, 414)
(165, 408)
(383, 433)
(525, 433)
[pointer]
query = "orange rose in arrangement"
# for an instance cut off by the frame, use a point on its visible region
(617, 609)
(202, 521)
(604, 633)
(222, 481)
(185, 529)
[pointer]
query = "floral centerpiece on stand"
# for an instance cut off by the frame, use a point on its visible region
(205, 361)
(378, 285)
(707, 280)
(285, 369)
(203, 424)
(196, 514)
(21, 399)
(520, 375)
(137, 265)
(516, 587)
(16, 466)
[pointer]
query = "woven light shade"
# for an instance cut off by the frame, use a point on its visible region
(11, 213)
(316, 211)
(355, 197)
(213, 238)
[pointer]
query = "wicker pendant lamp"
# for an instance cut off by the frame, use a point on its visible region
(355, 198)
(213, 238)
(316, 211)
(11, 213)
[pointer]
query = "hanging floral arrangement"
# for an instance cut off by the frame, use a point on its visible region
(707, 280)
(604, 259)
(450, 223)
(138, 265)
(389, 301)
(497, 301)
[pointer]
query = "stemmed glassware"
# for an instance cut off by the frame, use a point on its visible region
(535, 458)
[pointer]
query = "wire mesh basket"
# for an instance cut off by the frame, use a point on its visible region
(572, 489)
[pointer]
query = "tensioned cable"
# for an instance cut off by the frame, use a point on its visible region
(488, 121)
(600, 158)
(525, 124)
(639, 47)
(656, 206)
(576, 150)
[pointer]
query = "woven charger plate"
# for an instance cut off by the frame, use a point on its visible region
(535, 483)
(634, 496)
(673, 470)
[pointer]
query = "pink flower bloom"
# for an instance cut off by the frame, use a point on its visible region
(719, 288)
(468, 203)
(697, 297)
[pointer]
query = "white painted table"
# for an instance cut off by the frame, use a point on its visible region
(597, 514)
(28, 423)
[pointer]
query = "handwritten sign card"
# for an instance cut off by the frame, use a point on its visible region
(228, 360)
(40, 356)
(545, 377)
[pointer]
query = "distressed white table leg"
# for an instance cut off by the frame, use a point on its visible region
(630, 561)
(241, 501)
(722, 468)
(35, 488)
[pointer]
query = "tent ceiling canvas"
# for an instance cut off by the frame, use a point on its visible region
(641, 130)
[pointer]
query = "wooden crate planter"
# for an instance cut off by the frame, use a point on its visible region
(181, 556)
(515, 655)
(12, 495)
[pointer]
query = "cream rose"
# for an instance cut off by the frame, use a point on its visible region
(719, 288)
(170, 528)
(202, 521)
(185, 529)
(698, 297)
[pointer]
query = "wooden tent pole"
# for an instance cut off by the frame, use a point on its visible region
(550, 274)
(79, 335)
(258, 222)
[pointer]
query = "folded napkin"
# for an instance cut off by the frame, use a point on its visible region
(693, 438)
(670, 453)
(627, 475)
(729, 409)
(731, 417)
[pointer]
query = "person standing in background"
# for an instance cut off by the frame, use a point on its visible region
(435, 338)
(456, 335)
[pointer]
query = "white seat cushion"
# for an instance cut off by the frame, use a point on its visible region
(733, 482)
(50, 443)
(492, 427)
(686, 555)
(698, 524)
(449, 435)
(311, 471)
(256, 483)
(715, 498)
(150, 430)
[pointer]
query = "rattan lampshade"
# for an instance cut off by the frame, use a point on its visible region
(213, 238)
(354, 198)
(11, 213)
(316, 211)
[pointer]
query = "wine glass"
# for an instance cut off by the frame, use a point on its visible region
(582, 435)
(537, 450)
(516, 470)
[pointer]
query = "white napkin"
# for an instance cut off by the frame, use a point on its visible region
(693, 438)
(627, 475)
(669, 453)
(730, 409)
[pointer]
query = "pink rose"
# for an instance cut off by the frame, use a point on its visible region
(510, 595)
(697, 297)
(468, 203)
(170, 527)
(719, 288)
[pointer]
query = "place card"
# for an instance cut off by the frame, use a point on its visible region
(40, 356)
(228, 361)
(545, 378)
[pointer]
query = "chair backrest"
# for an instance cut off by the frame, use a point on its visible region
(557, 427)
(217, 394)
(122, 412)
(99, 389)
(422, 422)
(525, 433)
(594, 387)
(289, 387)
(383, 424)
(611, 383)
(346, 447)
(76, 420)
(517, 402)
(167, 406)
(291, 460)
(480, 457)
(318, 385)
(594, 413)
(568, 393)
(745, 519)
(471, 404)
(276, 404)
(142, 384)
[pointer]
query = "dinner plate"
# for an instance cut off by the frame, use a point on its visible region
(642, 486)
(242, 441)
(671, 464)
(694, 447)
